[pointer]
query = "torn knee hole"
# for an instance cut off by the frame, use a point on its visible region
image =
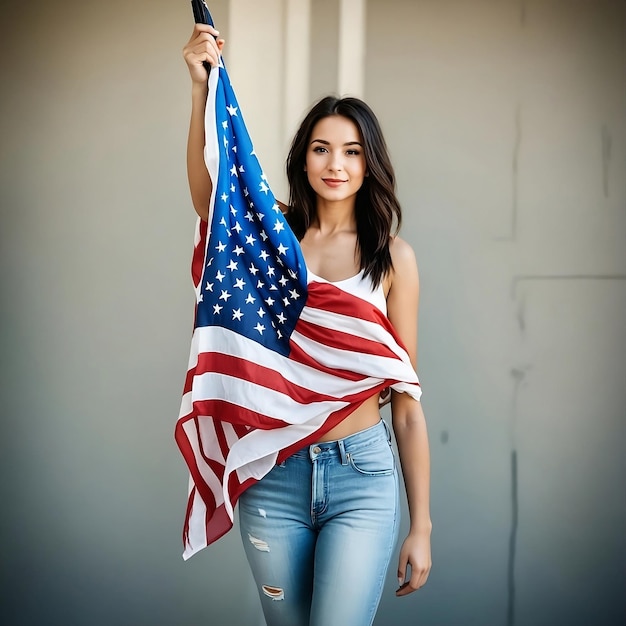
(259, 544)
(275, 593)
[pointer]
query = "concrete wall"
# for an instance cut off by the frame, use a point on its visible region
(507, 125)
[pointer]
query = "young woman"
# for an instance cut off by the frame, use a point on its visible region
(334, 505)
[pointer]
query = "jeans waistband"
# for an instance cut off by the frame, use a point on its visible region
(341, 448)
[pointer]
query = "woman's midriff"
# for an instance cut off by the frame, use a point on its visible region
(368, 414)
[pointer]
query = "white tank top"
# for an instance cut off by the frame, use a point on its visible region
(358, 286)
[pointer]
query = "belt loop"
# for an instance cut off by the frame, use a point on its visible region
(342, 452)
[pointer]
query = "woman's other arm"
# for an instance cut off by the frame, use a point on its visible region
(409, 425)
(201, 47)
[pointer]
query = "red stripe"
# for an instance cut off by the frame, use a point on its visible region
(197, 261)
(343, 341)
(229, 365)
(300, 356)
(330, 298)
(188, 515)
(187, 451)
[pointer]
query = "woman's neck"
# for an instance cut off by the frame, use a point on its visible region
(334, 217)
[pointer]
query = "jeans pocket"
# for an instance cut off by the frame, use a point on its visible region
(374, 460)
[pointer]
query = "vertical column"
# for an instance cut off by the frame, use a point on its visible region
(297, 64)
(254, 56)
(351, 61)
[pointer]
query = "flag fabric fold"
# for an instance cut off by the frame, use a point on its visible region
(275, 361)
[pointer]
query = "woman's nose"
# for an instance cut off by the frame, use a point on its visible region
(336, 162)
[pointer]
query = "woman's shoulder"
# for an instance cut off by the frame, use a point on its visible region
(402, 254)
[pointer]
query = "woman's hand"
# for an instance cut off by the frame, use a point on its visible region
(415, 552)
(202, 47)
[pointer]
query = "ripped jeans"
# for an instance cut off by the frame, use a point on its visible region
(320, 528)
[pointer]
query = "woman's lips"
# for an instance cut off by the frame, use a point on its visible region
(333, 182)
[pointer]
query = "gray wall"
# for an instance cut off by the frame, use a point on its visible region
(506, 121)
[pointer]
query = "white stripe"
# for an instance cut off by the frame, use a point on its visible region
(196, 529)
(206, 339)
(206, 472)
(355, 326)
(258, 398)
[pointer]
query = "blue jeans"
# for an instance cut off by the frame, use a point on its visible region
(320, 528)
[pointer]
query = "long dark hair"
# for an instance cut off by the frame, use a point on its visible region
(376, 203)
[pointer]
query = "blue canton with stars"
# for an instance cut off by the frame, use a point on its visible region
(254, 279)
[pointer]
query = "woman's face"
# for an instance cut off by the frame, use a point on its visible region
(335, 163)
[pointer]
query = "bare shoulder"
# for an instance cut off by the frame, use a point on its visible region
(404, 262)
(403, 295)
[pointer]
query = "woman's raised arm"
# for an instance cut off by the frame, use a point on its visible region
(202, 47)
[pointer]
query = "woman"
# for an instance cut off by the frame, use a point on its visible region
(319, 528)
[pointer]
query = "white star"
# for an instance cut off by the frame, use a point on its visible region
(239, 283)
(281, 317)
(216, 309)
(263, 187)
(263, 176)
(273, 288)
(236, 227)
(293, 274)
(278, 226)
(237, 314)
(264, 255)
(225, 142)
(241, 168)
(283, 280)
(233, 170)
(276, 208)
(223, 221)
(232, 188)
(260, 312)
(220, 247)
(249, 216)
(224, 197)
(210, 261)
(263, 235)
(209, 286)
(250, 299)
(234, 148)
(250, 240)
(231, 110)
(259, 327)
(238, 250)
(286, 301)
(280, 335)
(233, 210)
(253, 270)
(224, 295)
(201, 298)
(246, 193)
(225, 124)
(270, 270)
(282, 249)
(294, 294)
(219, 276)
(260, 216)
(270, 301)
(232, 265)
(260, 284)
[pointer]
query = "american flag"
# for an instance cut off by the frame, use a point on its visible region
(275, 362)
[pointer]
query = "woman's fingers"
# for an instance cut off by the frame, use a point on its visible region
(202, 47)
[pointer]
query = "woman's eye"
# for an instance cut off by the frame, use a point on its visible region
(353, 152)
(319, 149)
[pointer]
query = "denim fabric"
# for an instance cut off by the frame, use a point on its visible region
(320, 528)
